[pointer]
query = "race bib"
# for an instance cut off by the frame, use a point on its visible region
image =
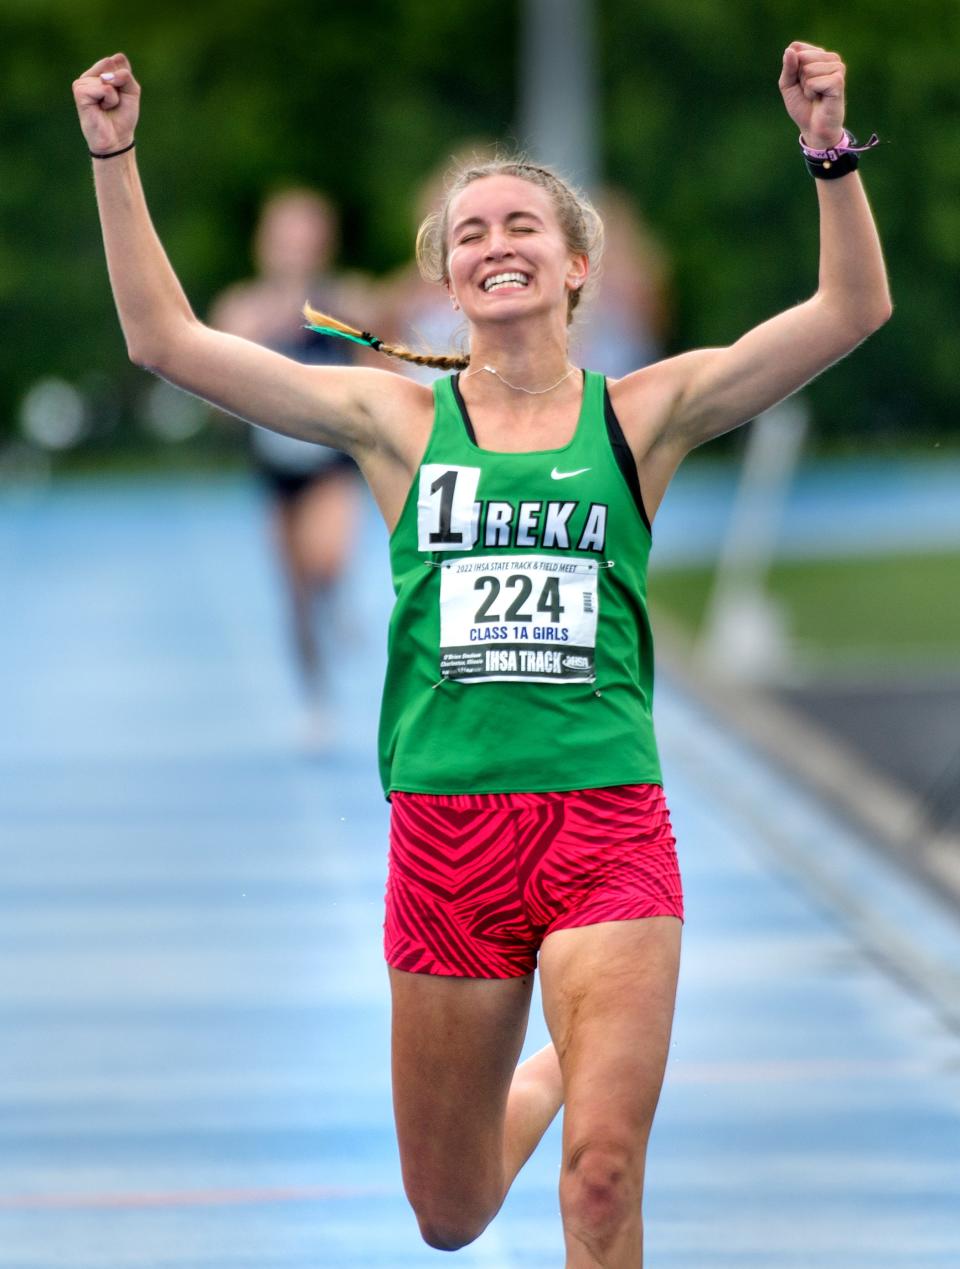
(447, 508)
(529, 618)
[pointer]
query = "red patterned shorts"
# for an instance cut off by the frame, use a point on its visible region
(477, 881)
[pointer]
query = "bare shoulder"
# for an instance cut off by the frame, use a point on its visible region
(399, 412)
(398, 416)
(646, 401)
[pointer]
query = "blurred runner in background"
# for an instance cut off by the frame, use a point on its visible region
(314, 491)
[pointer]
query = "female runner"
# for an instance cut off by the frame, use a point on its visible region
(528, 821)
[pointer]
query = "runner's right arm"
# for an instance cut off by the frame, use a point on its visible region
(346, 407)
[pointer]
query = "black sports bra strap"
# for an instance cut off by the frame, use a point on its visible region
(623, 454)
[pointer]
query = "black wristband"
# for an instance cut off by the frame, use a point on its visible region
(839, 160)
(832, 169)
(111, 154)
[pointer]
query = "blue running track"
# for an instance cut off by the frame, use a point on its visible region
(193, 1007)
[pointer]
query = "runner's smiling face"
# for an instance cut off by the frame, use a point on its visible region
(506, 253)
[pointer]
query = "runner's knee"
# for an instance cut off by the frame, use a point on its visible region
(601, 1190)
(448, 1227)
(451, 1216)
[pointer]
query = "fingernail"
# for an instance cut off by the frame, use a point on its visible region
(108, 75)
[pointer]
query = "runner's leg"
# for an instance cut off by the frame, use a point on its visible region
(286, 529)
(325, 527)
(608, 994)
(467, 1117)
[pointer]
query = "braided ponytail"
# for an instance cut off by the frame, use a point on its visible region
(323, 324)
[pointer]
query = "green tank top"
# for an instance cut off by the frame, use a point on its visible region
(520, 657)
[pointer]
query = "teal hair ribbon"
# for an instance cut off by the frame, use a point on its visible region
(368, 341)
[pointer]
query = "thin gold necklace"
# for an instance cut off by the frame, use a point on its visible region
(531, 392)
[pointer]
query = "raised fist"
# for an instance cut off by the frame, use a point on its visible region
(812, 84)
(108, 103)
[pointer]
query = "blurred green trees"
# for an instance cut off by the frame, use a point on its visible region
(364, 99)
(694, 128)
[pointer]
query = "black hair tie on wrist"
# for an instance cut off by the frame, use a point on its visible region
(111, 154)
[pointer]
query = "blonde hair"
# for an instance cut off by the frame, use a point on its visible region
(579, 222)
(324, 324)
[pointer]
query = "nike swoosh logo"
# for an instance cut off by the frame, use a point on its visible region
(565, 475)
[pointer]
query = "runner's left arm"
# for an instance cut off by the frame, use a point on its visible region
(710, 391)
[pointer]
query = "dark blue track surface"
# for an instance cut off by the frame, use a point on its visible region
(193, 1008)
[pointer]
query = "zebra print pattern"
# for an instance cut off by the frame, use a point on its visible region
(477, 881)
